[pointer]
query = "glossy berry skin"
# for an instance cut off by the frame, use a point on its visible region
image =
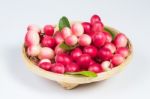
(71, 40)
(94, 19)
(95, 68)
(33, 28)
(85, 40)
(84, 61)
(33, 50)
(91, 50)
(105, 54)
(49, 30)
(117, 59)
(99, 39)
(48, 41)
(59, 50)
(87, 27)
(45, 65)
(66, 32)
(123, 51)
(76, 53)
(32, 38)
(97, 27)
(120, 40)
(110, 46)
(106, 65)
(63, 59)
(77, 29)
(46, 53)
(72, 67)
(108, 37)
(58, 68)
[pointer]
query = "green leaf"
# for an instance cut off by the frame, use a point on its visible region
(110, 32)
(83, 73)
(67, 47)
(63, 22)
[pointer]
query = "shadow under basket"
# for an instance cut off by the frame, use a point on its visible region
(71, 81)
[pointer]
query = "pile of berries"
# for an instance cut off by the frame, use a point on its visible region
(91, 48)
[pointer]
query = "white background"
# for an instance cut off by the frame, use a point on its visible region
(129, 16)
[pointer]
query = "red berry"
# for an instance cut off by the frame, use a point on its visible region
(71, 40)
(117, 59)
(104, 54)
(92, 62)
(95, 18)
(91, 50)
(97, 27)
(48, 30)
(120, 40)
(110, 46)
(123, 51)
(87, 27)
(45, 65)
(58, 68)
(76, 53)
(63, 59)
(108, 37)
(72, 67)
(84, 61)
(99, 39)
(58, 37)
(48, 41)
(95, 68)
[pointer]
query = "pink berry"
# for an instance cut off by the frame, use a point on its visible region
(97, 27)
(43, 61)
(48, 41)
(71, 40)
(46, 53)
(99, 39)
(108, 37)
(94, 19)
(84, 61)
(92, 62)
(48, 30)
(110, 46)
(77, 29)
(59, 50)
(117, 59)
(63, 59)
(120, 40)
(76, 53)
(123, 51)
(87, 27)
(33, 50)
(104, 54)
(85, 40)
(106, 65)
(33, 28)
(58, 68)
(58, 37)
(91, 50)
(95, 68)
(45, 65)
(66, 32)
(72, 67)
(32, 38)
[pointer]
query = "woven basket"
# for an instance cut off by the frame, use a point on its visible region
(71, 81)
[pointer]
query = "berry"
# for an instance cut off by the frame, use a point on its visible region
(87, 27)
(46, 53)
(117, 59)
(77, 29)
(33, 50)
(76, 53)
(33, 28)
(95, 68)
(104, 54)
(45, 65)
(85, 40)
(106, 65)
(97, 27)
(94, 19)
(123, 51)
(108, 37)
(120, 40)
(63, 59)
(110, 46)
(66, 32)
(91, 50)
(58, 37)
(49, 30)
(48, 41)
(59, 50)
(72, 67)
(71, 40)
(58, 68)
(99, 39)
